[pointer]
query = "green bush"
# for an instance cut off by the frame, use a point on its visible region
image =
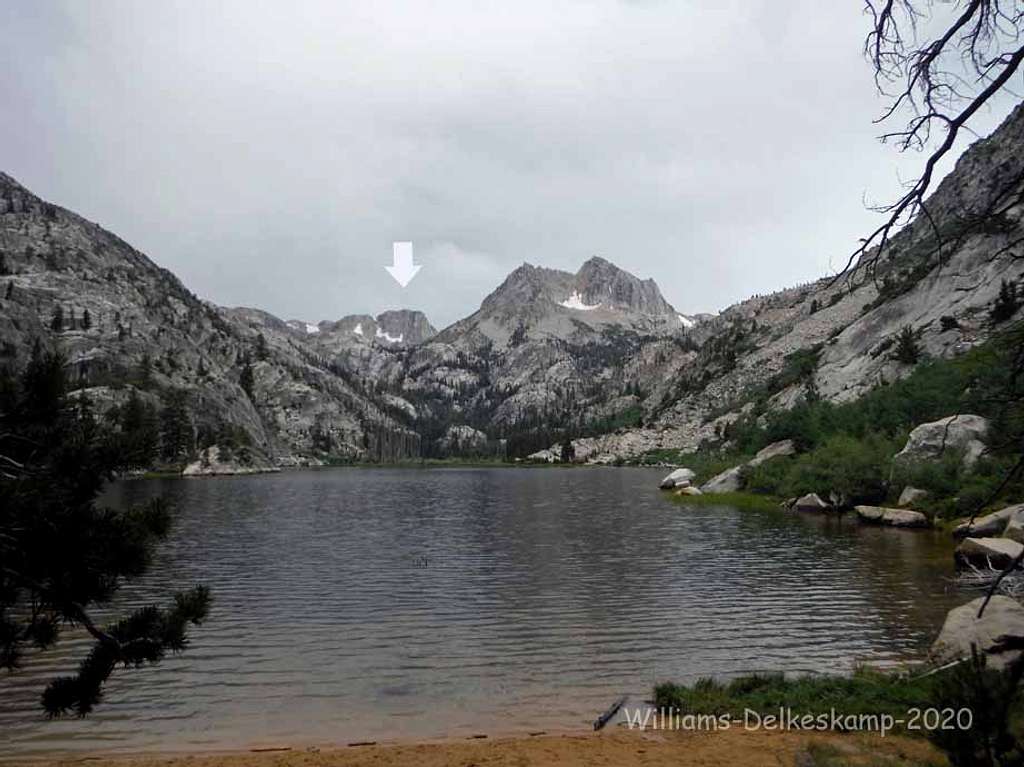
(856, 469)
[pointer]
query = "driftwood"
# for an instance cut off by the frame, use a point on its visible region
(606, 717)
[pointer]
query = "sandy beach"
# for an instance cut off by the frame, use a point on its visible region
(735, 748)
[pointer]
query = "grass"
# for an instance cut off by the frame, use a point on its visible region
(865, 692)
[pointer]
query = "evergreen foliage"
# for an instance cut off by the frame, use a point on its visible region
(61, 555)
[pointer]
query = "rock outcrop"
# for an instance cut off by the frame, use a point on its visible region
(963, 435)
(217, 461)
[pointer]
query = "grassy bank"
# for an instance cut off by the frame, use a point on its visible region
(994, 724)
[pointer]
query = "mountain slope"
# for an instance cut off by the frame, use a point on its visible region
(126, 324)
(598, 356)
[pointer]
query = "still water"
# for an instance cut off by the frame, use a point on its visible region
(383, 604)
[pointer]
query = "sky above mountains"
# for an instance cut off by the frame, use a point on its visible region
(269, 153)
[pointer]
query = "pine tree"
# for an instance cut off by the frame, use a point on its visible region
(57, 319)
(907, 350)
(10, 290)
(86, 320)
(61, 556)
(139, 432)
(176, 433)
(1006, 304)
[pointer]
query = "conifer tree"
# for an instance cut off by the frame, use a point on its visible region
(62, 556)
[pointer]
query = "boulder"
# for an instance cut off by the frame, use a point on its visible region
(987, 552)
(893, 517)
(729, 481)
(1003, 616)
(688, 491)
(811, 502)
(775, 450)
(964, 434)
(911, 495)
(990, 525)
(1015, 528)
(678, 478)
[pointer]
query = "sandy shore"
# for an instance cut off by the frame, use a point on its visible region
(734, 748)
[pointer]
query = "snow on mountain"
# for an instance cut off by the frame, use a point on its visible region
(575, 301)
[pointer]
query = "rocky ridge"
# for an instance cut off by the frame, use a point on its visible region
(598, 357)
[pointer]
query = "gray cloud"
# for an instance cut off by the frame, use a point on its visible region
(269, 153)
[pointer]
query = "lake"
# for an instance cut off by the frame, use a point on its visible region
(389, 604)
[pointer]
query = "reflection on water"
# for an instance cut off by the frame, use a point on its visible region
(398, 603)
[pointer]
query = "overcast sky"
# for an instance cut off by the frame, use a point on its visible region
(270, 153)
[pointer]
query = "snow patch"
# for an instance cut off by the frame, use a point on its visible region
(687, 322)
(575, 301)
(358, 329)
(389, 338)
(312, 329)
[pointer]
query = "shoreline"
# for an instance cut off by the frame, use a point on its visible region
(581, 748)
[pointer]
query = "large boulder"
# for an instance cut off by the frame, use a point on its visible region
(990, 525)
(996, 553)
(678, 478)
(731, 480)
(963, 434)
(811, 502)
(911, 495)
(1002, 617)
(893, 517)
(775, 450)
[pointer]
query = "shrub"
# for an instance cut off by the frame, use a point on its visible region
(907, 350)
(1006, 303)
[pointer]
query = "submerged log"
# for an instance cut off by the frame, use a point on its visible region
(606, 717)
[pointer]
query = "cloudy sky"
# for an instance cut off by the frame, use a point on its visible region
(270, 153)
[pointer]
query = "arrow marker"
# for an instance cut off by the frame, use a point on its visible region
(403, 270)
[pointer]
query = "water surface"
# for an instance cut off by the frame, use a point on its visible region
(381, 604)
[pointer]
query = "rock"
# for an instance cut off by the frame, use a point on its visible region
(811, 502)
(987, 552)
(1015, 528)
(990, 525)
(911, 495)
(215, 461)
(729, 481)
(775, 450)
(892, 517)
(678, 478)
(689, 491)
(962, 629)
(963, 433)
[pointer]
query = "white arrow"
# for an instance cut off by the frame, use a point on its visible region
(403, 270)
